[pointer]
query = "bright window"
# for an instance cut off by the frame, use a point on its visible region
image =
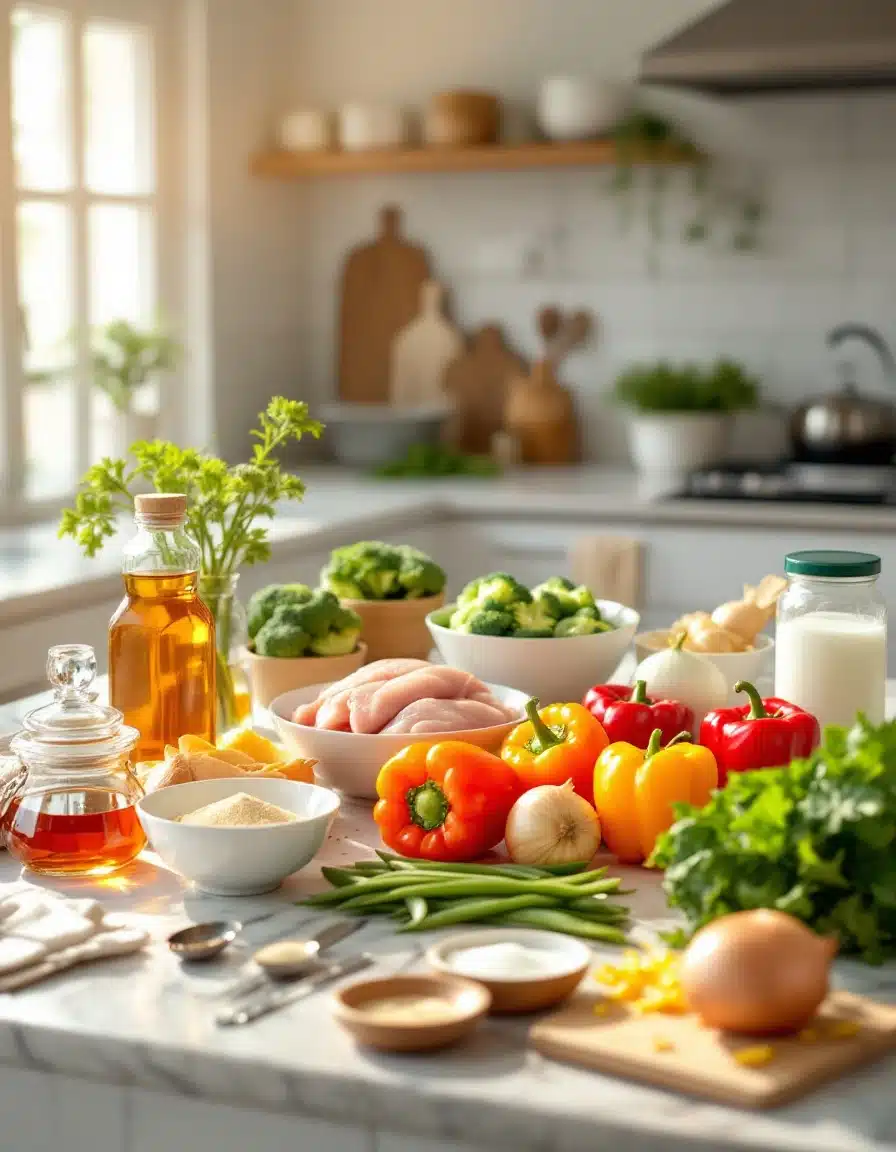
(85, 120)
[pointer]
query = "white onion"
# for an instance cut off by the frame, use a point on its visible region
(687, 677)
(551, 824)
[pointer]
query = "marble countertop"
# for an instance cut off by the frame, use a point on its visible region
(147, 1022)
(38, 571)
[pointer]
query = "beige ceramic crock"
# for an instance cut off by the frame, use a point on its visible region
(393, 628)
(271, 676)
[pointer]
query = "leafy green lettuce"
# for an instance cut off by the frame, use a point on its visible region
(815, 839)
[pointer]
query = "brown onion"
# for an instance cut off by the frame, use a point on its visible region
(758, 972)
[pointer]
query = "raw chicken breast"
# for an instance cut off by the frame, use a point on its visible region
(373, 706)
(429, 715)
(378, 670)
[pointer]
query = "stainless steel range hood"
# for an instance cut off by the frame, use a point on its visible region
(755, 45)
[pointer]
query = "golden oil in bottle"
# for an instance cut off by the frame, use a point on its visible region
(162, 637)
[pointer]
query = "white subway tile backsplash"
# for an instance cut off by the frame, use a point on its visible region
(508, 243)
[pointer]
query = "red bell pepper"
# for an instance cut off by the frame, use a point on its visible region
(765, 733)
(630, 715)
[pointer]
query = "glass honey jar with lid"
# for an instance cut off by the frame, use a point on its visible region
(70, 810)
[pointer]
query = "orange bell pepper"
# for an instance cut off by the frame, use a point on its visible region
(445, 801)
(558, 743)
(635, 788)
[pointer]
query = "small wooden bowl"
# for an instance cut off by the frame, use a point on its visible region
(394, 628)
(271, 676)
(523, 993)
(466, 1003)
(461, 119)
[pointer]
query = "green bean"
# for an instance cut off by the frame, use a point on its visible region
(468, 911)
(339, 877)
(386, 882)
(417, 907)
(514, 871)
(554, 920)
(449, 886)
(568, 869)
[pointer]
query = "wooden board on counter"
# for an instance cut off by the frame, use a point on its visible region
(699, 1061)
(381, 287)
(477, 383)
(422, 351)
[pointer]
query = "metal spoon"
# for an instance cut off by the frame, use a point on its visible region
(204, 941)
(285, 959)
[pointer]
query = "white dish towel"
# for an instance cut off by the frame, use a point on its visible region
(42, 934)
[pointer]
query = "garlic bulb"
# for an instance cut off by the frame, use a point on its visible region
(674, 674)
(552, 824)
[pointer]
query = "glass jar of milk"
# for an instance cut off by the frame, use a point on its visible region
(831, 643)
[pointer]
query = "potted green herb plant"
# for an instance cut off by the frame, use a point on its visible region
(228, 507)
(124, 359)
(679, 415)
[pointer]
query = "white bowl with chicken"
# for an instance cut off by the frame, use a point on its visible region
(556, 669)
(354, 726)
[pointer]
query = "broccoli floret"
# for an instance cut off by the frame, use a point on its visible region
(581, 626)
(583, 596)
(533, 633)
(371, 570)
(488, 622)
(469, 594)
(554, 584)
(500, 590)
(318, 616)
(343, 636)
(283, 635)
(592, 611)
(533, 618)
(442, 616)
(562, 597)
(419, 575)
(266, 601)
(461, 615)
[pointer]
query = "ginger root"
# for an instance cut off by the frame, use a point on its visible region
(733, 626)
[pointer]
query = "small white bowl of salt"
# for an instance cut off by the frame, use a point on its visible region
(238, 837)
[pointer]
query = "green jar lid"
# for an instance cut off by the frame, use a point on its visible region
(832, 563)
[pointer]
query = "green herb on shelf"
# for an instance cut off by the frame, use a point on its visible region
(724, 386)
(433, 460)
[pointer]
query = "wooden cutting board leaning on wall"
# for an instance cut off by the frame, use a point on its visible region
(476, 382)
(422, 351)
(539, 410)
(380, 295)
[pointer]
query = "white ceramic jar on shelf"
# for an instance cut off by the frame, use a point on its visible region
(831, 644)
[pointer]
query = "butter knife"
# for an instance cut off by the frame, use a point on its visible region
(276, 998)
(253, 979)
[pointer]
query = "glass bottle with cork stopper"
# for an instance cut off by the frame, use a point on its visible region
(70, 810)
(162, 637)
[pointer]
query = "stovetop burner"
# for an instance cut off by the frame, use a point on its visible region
(793, 484)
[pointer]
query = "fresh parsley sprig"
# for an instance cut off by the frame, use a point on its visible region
(225, 504)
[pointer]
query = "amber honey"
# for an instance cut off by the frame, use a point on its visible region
(162, 661)
(78, 831)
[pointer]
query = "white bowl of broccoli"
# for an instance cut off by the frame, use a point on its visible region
(299, 636)
(553, 641)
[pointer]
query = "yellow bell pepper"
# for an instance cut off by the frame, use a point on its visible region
(635, 788)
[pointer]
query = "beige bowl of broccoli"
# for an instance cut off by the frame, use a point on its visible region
(299, 636)
(392, 588)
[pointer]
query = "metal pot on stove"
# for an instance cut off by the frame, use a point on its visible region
(847, 427)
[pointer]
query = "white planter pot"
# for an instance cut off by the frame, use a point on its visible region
(671, 444)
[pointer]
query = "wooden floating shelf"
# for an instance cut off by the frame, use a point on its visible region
(486, 158)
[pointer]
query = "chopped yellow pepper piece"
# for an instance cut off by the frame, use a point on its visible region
(755, 1057)
(649, 981)
(663, 1044)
